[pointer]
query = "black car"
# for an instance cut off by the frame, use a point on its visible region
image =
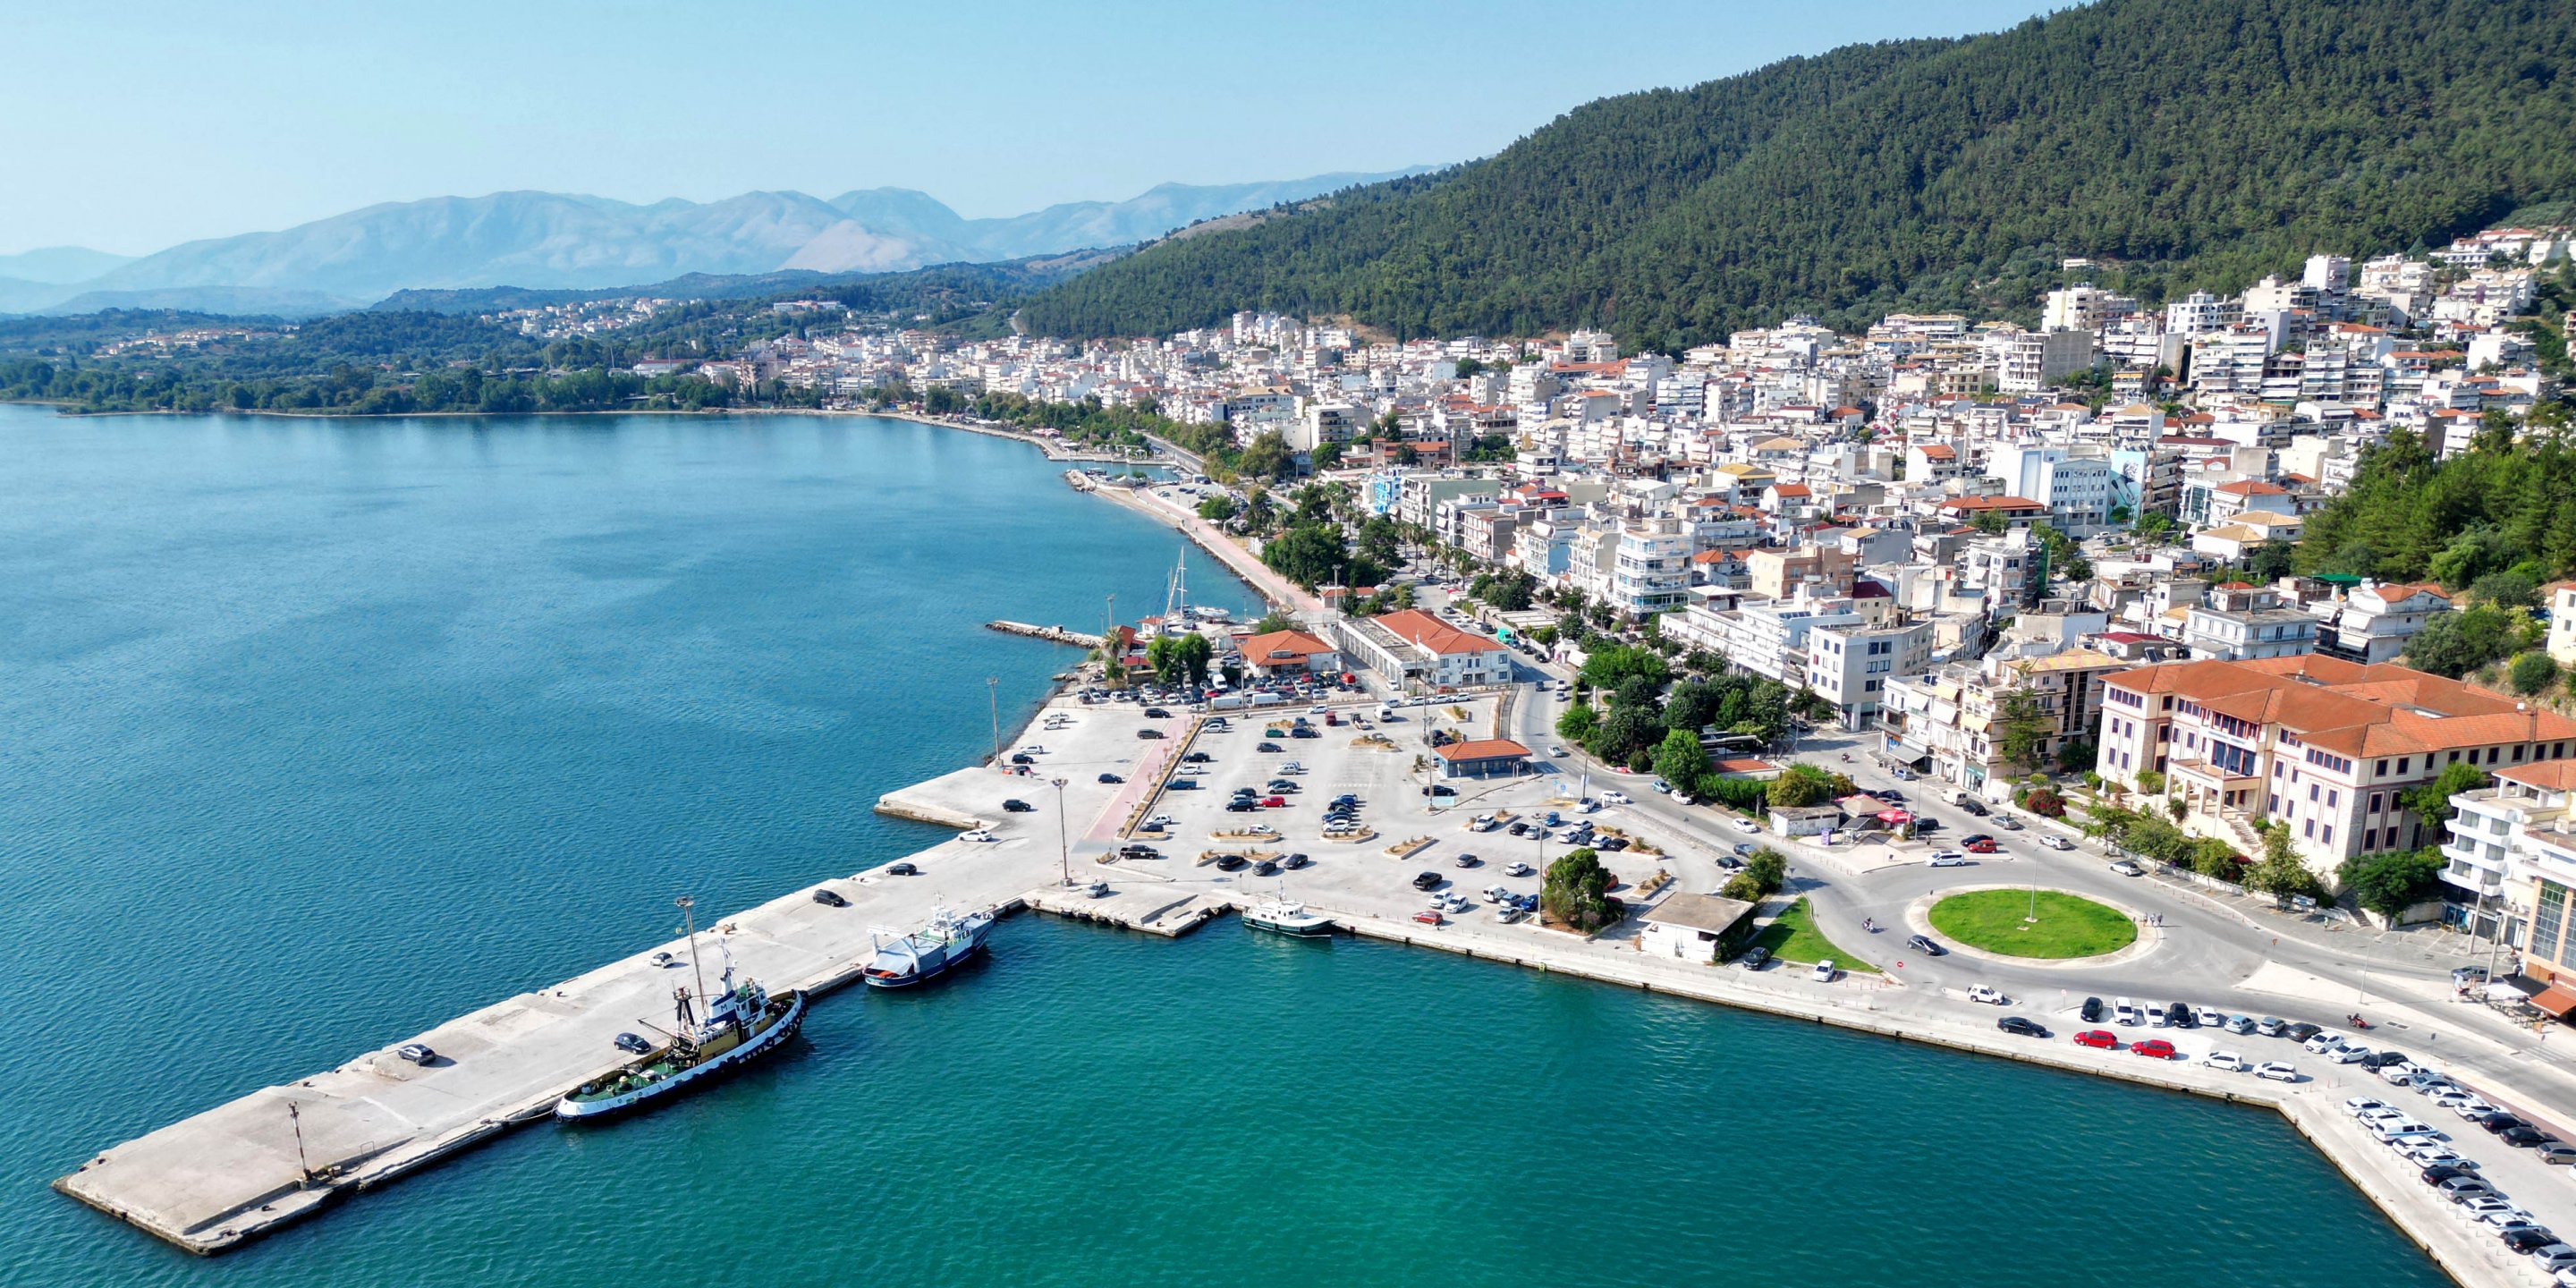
(1518, 829)
(631, 1043)
(1304, 731)
(2016, 1024)
(1440, 789)
(2528, 1238)
(1242, 805)
(1149, 733)
(1017, 806)
(906, 868)
(1139, 852)
(1973, 808)
(1023, 758)
(1266, 868)
(2179, 1016)
(1196, 758)
(2525, 1136)
(1974, 837)
(830, 898)
(2499, 1122)
(1269, 746)
(1426, 880)
(2300, 1033)
(1469, 861)
(1157, 713)
(1346, 798)
(1182, 785)
(2441, 1172)
(1231, 862)
(1922, 945)
(1294, 862)
(1923, 824)
(1111, 778)
(1613, 844)
(1754, 958)
(2092, 1010)
(2378, 1060)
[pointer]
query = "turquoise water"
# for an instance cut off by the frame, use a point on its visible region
(314, 733)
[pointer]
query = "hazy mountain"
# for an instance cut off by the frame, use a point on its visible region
(545, 240)
(60, 264)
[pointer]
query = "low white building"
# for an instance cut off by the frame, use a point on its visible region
(1689, 926)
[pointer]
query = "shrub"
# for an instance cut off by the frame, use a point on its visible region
(2045, 802)
(2532, 672)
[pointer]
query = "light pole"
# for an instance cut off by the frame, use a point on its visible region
(1063, 839)
(993, 697)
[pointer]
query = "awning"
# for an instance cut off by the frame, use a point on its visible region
(2557, 999)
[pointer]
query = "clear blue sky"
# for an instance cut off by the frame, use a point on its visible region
(133, 126)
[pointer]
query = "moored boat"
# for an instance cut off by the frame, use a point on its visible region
(1285, 916)
(926, 954)
(738, 1024)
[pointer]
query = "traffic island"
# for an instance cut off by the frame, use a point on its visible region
(2032, 925)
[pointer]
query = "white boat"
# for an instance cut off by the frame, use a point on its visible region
(1285, 916)
(925, 955)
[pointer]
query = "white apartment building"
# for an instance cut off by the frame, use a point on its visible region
(1851, 666)
(2032, 359)
(2079, 485)
(1651, 567)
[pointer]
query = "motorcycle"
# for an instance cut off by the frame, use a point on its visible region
(2356, 1022)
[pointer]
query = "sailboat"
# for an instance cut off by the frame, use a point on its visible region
(738, 1024)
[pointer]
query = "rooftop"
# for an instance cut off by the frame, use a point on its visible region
(2351, 709)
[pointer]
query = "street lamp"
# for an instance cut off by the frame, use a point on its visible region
(1063, 839)
(993, 696)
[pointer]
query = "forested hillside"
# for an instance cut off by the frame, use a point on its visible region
(2190, 142)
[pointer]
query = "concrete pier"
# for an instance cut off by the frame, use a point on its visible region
(1053, 634)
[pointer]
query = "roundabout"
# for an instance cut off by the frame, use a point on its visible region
(1999, 922)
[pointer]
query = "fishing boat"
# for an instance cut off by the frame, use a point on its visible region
(738, 1024)
(928, 953)
(1285, 916)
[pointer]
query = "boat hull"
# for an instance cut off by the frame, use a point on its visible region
(1315, 929)
(652, 1093)
(928, 971)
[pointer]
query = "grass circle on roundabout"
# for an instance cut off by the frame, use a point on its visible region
(2068, 925)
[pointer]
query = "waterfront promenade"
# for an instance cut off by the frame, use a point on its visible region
(234, 1172)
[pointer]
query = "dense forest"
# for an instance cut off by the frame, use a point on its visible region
(2180, 143)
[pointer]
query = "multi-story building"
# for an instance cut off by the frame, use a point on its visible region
(2526, 816)
(1412, 645)
(2240, 622)
(2324, 747)
(2034, 358)
(1652, 568)
(2373, 622)
(1850, 665)
(2079, 485)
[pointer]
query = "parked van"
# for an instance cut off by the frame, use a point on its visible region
(1955, 795)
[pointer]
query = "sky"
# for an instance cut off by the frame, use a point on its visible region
(135, 126)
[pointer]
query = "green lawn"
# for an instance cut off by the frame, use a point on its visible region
(2067, 926)
(1792, 936)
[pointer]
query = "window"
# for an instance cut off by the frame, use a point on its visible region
(2401, 764)
(2334, 800)
(2381, 769)
(2312, 829)
(2328, 838)
(2374, 803)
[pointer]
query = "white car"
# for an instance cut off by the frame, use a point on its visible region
(1948, 859)
(2125, 1012)
(1981, 993)
(1741, 824)
(2055, 842)
(2128, 869)
(1824, 972)
(2277, 1071)
(2322, 1043)
(1160, 822)
(2225, 1061)
(1559, 752)
(2348, 1054)
(1616, 798)
(2395, 1075)
(2361, 1106)
(979, 834)
(2471, 1107)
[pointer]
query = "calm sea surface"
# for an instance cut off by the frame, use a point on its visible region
(313, 734)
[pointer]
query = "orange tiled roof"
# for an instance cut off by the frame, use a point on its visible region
(1421, 629)
(2351, 709)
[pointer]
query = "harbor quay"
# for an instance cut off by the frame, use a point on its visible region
(250, 1166)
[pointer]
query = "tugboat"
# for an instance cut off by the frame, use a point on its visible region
(1285, 916)
(933, 951)
(740, 1024)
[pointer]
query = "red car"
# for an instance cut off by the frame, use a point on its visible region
(1979, 846)
(2156, 1047)
(2100, 1039)
(1274, 802)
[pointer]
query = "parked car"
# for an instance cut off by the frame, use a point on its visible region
(1982, 993)
(2272, 1026)
(1980, 845)
(2181, 1016)
(2017, 1025)
(2091, 1010)
(1440, 789)
(1824, 971)
(2126, 1013)
(2155, 1048)
(2276, 1071)
(829, 897)
(906, 868)
(1426, 880)
(1149, 733)
(2098, 1039)
(416, 1052)
(2224, 1061)
(1469, 861)
(2055, 842)
(1268, 746)
(1948, 859)
(1754, 958)
(2240, 1024)
(1017, 806)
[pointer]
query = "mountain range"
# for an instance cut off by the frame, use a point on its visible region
(557, 240)
(2175, 143)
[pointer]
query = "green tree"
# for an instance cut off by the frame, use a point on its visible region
(1605, 668)
(1803, 784)
(2391, 883)
(1627, 734)
(2022, 729)
(1325, 456)
(2282, 874)
(1218, 508)
(1576, 892)
(1768, 869)
(2532, 673)
(1273, 622)
(2431, 802)
(1178, 658)
(1267, 457)
(1680, 760)
(1309, 555)
(1579, 723)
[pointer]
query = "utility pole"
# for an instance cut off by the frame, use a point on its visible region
(1063, 840)
(993, 696)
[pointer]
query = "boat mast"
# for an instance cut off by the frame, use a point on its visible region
(689, 920)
